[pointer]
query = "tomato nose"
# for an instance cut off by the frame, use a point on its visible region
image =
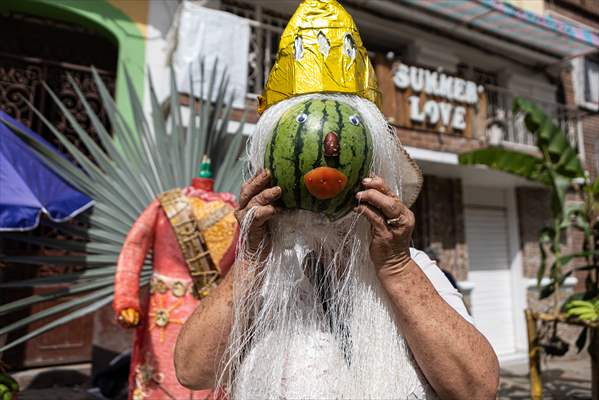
(325, 182)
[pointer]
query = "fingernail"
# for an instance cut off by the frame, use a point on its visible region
(359, 194)
(277, 190)
(366, 180)
(266, 172)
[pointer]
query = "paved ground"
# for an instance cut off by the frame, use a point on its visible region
(562, 380)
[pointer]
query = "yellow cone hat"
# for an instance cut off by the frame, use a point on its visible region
(320, 51)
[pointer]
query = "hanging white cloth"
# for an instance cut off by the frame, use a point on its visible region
(592, 81)
(212, 34)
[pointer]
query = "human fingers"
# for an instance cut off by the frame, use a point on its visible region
(263, 214)
(265, 197)
(252, 187)
(375, 218)
(391, 207)
(376, 182)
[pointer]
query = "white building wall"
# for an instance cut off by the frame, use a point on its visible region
(161, 15)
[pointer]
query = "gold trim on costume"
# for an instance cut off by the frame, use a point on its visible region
(204, 272)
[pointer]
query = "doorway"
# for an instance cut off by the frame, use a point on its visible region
(488, 241)
(48, 51)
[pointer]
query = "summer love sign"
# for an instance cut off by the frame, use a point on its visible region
(433, 100)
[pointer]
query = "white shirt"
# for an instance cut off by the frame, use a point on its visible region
(441, 283)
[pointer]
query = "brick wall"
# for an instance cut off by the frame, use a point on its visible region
(585, 12)
(440, 223)
(590, 132)
(590, 124)
(534, 212)
(437, 141)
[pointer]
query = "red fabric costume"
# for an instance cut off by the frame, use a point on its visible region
(170, 301)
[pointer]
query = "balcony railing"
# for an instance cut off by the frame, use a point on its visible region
(265, 33)
(507, 128)
(503, 126)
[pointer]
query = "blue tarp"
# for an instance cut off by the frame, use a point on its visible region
(28, 187)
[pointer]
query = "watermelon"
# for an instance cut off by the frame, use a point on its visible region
(318, 153)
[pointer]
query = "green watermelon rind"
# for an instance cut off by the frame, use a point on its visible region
(296, 148)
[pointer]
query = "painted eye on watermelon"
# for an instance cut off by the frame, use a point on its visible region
(301, 118)
(354, 120)
(318, 154)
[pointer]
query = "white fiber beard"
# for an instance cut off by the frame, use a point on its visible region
(311, 319)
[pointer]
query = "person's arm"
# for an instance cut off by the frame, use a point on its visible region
(203, 339)
(126, 281)
(455, 357)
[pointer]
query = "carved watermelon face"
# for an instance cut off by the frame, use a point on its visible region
(318, 154)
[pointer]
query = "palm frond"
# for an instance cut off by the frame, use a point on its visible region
(123, 174)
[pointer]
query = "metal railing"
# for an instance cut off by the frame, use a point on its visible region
(265, 32)
(506, 127)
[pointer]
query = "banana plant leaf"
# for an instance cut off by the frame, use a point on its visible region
(551, 141)
(557, 165)
(513, 162)
(125, 171)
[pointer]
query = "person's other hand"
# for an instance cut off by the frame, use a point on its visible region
(257, 194)
(392, 224)
(129, 317)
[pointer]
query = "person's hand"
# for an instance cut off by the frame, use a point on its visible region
(129, 317)
(392, 225)
(257, 194)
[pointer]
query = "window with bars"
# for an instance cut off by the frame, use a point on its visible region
(266, 29)
(485, 78)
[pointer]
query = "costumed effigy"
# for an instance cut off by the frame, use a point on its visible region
(175, 243)
(192, 233)
(322, 312)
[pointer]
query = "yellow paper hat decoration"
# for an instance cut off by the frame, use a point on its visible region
(320, 51)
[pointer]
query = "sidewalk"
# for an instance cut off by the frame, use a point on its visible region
(562, 380)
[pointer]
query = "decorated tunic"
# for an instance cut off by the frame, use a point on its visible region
(170, 300)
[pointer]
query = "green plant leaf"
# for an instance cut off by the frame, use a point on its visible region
(546, 237)
(513, 162)
(552, 142)
(582, 339)
(595, 187)
(67, 291)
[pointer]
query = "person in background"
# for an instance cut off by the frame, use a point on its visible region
(434, 256)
